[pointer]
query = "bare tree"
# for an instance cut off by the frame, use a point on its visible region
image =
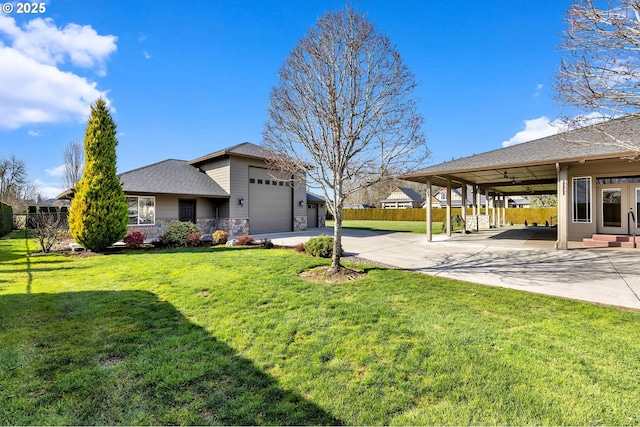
(343, 112)
(49, 227)
(13, 176)
(600, 70)
(73, 157)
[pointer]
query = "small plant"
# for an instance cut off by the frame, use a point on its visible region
(193, 239)
(244, 240)
(299, 247)
(546, 223)
(510, 222)
(134, 240)
(220, 237)
(177, 232)
(526, 224)
(321, 246)
(267, 243)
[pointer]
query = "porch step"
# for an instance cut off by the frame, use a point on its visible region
(611, 241)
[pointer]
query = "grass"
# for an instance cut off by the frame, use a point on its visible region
(408, 226)
(233, 336)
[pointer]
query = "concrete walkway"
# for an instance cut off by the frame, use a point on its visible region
(607, 276)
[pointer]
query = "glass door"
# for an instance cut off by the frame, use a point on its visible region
(611, 211)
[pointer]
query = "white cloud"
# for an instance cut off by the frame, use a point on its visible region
(539, 87)
(34, 133)
(535, 129)
(48, 190)
(542, 127)
(35, 89)
(146, 55)
(57, 171)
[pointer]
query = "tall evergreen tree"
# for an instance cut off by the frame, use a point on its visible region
(98, 215)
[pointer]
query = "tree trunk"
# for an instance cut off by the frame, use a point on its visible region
(337, 240)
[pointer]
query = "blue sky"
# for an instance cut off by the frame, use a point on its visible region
(186, 78)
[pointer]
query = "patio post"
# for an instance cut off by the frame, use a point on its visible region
(448, 220)
(429, 207)
(474, 202)
(493, 210)
(486, 201)
(464, 203)
(563, 204)
(505, 202)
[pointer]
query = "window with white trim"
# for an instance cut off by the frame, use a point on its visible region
(581, 199)
(142, 210)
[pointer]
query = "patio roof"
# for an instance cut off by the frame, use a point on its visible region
(530, 167)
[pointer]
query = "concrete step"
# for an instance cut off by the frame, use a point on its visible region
(614, 238)
(599, 243)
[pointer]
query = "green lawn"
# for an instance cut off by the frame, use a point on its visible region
(233, 336)
(409, 226)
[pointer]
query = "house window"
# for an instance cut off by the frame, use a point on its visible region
(582, 199)
(142, 210)
(267, 182)
(252, 180)
(259, 181)
(281, 184)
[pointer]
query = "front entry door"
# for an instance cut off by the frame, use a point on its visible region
(614, 204)
(187, 211)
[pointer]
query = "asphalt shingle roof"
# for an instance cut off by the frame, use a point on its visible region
(171, 177)
(552, 149)
(246, 149)
(412, 195)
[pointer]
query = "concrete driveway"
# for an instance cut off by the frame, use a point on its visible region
(607, 276)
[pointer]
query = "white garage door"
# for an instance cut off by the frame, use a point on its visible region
(269, 203)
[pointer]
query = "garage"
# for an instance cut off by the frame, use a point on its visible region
(270, 208)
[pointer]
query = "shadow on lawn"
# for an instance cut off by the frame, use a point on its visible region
(115, 358)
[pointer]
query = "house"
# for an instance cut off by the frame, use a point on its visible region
(597, 187)
(231, 189)
(402, 198)
(440, 197)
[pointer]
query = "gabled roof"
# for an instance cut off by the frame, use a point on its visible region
(412, 195)
(245, 149)
(530, 164)
(171, 177)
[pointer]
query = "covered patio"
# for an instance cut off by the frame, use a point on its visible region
(557, 165)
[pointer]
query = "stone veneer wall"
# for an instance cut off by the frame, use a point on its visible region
(300, 223)
(156, 231)
(234, 226)
(477, 222)
(322, 222)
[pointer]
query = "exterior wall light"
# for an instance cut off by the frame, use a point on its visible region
(241, 201)
(301, 203)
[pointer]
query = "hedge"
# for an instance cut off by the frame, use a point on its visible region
(515, 215)
(6, 219)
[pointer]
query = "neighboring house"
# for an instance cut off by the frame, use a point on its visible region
(598, 188)
(357, 206)
(519, 202)
(402, 198)
(230, 189)
(440, 198)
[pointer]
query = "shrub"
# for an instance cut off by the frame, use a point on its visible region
(177, 233)
(134, 239)
(193, 239)
(299, 247)
(526, 224)
(321, 246)
(220, 237)
(244, 240)
(267, 243)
